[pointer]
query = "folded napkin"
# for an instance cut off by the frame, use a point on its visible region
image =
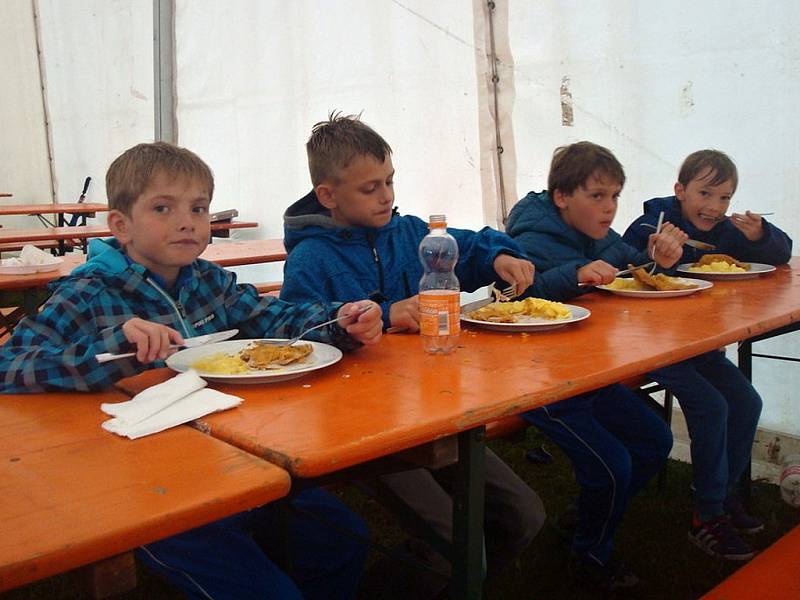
(173, 402)
(32, 256)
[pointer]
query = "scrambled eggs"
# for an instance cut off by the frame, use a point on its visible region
(511, 312)
(718, 267)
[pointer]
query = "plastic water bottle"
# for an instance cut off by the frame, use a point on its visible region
(439, 291)
(790, 480)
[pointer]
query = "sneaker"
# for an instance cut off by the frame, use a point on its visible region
(717, 537)
(740, 519)
(611, 577)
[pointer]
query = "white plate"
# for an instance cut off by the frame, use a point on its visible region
(756, 269)
(525, 323)
(11, 269)
(323, 356)
(701, 285)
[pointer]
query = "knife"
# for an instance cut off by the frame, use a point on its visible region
(191, 342)
(692, 243)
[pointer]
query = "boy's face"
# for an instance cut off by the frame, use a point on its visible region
(168, 226)
(363, 195)
(702, 204)
(591, 207)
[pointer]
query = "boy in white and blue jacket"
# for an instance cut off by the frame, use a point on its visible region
(345, 240)
(146, 290)
(720, 405)
(616, 443)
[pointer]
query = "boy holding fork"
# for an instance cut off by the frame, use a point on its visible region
(616, 443)
(345, 240)
(145, 290)
(720, 405)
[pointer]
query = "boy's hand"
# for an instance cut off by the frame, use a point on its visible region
(749, 224)
(152, 340)
(366, 327)
(597, 273)
(666, 246)
(405, 314)
(514, 270)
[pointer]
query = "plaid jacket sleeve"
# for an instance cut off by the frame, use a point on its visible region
(256, 316)
(55, 350)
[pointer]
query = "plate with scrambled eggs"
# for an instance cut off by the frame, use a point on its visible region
(530, 314)
(254, 361)
(628, 286)
(723, 270)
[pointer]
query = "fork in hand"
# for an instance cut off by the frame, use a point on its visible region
(653, 249)
(296, 338)
(504, 295)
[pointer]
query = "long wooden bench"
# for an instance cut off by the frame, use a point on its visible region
(774, 574)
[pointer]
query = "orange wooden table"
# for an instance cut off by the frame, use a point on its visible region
(245, 252)
(380, 400)
(65, 208)
(72, 493)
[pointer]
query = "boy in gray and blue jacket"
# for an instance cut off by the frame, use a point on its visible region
(144, 291)
(345, 241)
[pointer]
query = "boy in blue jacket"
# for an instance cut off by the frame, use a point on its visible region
(345, 240)
(146, 290)
(720, 405)
(616, 443)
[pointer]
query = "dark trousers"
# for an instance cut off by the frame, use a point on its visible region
(616, 444)
(223, 560)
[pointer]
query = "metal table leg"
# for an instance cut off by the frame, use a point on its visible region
(468, 505)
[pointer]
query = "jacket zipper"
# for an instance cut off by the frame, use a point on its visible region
(176, 306)
(376, 259)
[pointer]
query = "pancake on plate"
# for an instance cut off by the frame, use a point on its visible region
(513, 311)
(660, 282)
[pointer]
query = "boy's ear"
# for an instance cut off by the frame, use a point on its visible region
(119, 225)
(559, 199)
(325, 195)
(679, 190)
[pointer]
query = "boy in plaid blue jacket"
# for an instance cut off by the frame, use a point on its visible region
(146, 290)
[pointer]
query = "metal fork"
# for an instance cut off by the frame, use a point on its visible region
(504, 295)
(296, 338)
(693, 243)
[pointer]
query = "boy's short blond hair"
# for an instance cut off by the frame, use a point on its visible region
(335, 142)
(133, 170)
(719, 165)
(573, 165)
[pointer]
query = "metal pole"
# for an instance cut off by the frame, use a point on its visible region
(164, 70)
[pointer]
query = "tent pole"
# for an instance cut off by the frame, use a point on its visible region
(164, 71)
(37, 26)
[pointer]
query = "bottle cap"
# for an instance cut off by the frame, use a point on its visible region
(437, 221)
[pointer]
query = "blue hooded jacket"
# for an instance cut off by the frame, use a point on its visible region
(56, 349)
(327, 261)
(774, 248)
(558, 250)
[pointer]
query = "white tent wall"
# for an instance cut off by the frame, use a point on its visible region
(655, 81)
(98, 70)
(24, 169)
(248, 95)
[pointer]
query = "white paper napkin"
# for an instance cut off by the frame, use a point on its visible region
(33, 256)
(173, 402)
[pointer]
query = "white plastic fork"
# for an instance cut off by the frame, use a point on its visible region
(653, 251)
(296, 338)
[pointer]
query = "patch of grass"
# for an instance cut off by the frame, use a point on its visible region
(652, 541)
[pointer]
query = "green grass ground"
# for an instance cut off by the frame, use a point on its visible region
(652, 541)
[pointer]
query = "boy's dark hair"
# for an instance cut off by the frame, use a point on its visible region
(718, 164)
(133, 170)
(573, 165)
(335, 142)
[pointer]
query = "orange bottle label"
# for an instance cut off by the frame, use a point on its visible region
(439, 312)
